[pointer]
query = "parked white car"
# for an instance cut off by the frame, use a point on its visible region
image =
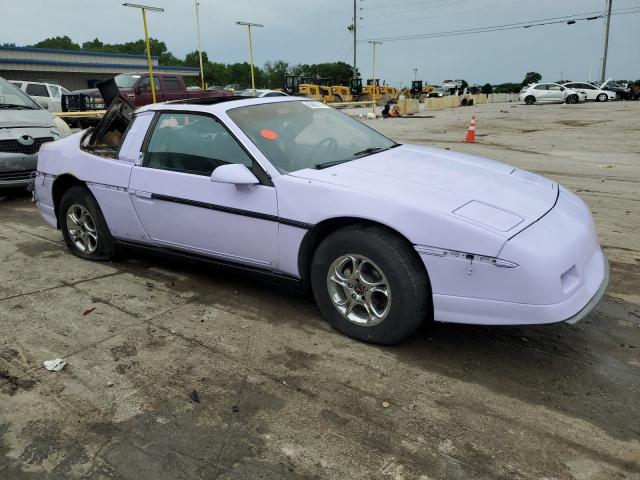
(48, 95)
(591, 91)
(549, 93)
(262, 93)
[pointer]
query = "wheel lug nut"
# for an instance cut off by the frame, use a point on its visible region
(353, 295)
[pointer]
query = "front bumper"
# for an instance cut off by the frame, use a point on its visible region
(492, 312)
(561, 274)
(16, 170)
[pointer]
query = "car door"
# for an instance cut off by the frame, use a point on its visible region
(40, 94)
(54, 93)
(181, 208)
(172, 89)
(555, 93)
(540, 92)
(143, 94)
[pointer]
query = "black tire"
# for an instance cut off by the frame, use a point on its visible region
(104, 247)
(602, 97)
(572, 99)
(530, 100)
(405, 274)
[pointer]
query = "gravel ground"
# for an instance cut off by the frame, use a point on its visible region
(281, 395)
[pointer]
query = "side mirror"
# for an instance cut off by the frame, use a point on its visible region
(234, 173)
(562, 89)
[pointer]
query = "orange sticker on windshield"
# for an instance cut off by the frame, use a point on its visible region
(268, 134)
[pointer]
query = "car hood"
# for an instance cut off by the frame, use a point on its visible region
(25, 118)
(491, 194)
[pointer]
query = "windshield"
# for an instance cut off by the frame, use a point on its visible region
(12, 97)
(307, 134)
(126, 80)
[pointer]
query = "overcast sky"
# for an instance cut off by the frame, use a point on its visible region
(303, 31)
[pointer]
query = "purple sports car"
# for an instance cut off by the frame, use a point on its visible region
(386, 235)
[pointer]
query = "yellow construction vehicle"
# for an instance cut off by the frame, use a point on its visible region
(419, 91)
(319, 89)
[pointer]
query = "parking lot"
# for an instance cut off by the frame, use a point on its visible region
(279, 395)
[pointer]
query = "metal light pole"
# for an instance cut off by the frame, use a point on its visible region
(144, 9)
(415, 74)
(199, 47)
(607, 21)
(249, 25)
(355, 36)
(374, 43)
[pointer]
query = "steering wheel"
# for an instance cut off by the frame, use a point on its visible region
(331, 146)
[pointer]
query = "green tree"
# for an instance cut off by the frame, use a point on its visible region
(64, 43)
(487, 89)
(531, 77)
(274, 73)
(507, 88)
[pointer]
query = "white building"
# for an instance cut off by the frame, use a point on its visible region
(74, 69)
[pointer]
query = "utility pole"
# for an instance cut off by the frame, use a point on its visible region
(607, 21)
(249, 25)
(415, 74)
(144, 9)
(355, 37)
(199, 46)
(373, 80)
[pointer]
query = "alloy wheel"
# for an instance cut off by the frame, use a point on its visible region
(82, 229)
(359, 290)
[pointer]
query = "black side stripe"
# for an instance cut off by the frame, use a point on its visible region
(233, 211)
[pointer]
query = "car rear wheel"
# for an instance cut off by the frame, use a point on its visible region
(370, 284)
(602, 97)
(572, 99)
(83, 226)
(530, 100)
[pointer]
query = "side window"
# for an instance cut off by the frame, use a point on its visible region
(554, 87)
(274, 94)
(55, 91)
(540, 87)
(172, 84)
(18, 84)
(145, 84)
(192, 143)
(36, 90)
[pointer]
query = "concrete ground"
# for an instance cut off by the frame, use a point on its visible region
(281, 395)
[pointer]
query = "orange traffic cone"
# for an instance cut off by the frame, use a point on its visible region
(471, 133)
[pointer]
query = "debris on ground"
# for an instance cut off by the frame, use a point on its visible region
(385, 404)
(606, 165)
(235, 409)
(88, 311)
(195, 397)
(55, 365)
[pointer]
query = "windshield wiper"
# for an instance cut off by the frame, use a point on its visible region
(360, 154)
(320, 166)
(11, 105)
(369, 151)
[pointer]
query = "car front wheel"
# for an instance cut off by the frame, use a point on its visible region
(370, 284)
(572, 99)
(530, 100)
(602, 97)
(83, 226)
